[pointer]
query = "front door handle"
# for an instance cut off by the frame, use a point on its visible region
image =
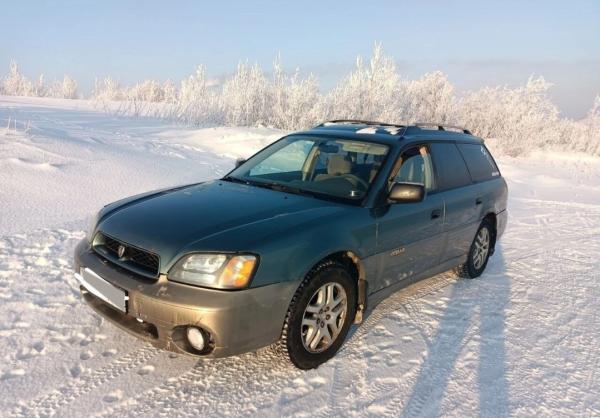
(436, 213)
(478, 201)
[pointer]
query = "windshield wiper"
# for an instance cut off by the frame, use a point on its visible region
(290, 189)
(235, 180)
(251, 182)
(272, 186)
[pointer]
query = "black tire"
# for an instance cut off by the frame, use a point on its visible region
(291, 344)
(469, 270)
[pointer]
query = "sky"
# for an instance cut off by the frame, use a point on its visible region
(475, 43)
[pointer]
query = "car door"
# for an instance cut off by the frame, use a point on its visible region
(409, 237)
(490, 186)
(461, 200)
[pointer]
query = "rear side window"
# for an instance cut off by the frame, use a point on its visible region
(450, 166)
(481, 164)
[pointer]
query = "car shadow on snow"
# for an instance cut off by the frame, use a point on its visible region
(476, 310)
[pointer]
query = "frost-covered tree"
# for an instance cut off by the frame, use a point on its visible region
(170, 92)
(40, 89)
(520, 119)
(294, 99)
(147, 90)
(13, 81)
(589, 139)
(369, 92)
(69, 88)
(246, 96)
(428, 99)
(108, 89)
(65, 89)
(197, 104)
(16, 84)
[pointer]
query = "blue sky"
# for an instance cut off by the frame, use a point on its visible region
(475, 43)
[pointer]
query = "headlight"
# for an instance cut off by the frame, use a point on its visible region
(218, 271)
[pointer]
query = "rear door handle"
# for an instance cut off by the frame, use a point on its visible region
(478, 201)
(436, 213)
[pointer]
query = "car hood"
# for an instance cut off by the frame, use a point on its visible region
(212, 216)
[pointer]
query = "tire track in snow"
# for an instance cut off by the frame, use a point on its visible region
(50, 404)
(193, 389)
(342, 379)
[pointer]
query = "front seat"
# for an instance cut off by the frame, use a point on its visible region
(336, 166)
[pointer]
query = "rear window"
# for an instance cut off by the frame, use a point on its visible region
(450, 166)
(479, 161)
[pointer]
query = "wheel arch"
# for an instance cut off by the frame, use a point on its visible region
(356, 267)
(491, 217)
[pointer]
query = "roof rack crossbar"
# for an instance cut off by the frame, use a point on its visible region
(361, 122)
(442, 127)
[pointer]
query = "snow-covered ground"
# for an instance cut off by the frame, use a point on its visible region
(522, 340)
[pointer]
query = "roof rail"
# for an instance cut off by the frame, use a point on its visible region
(442, 127)
(359, 122)
(437, 126)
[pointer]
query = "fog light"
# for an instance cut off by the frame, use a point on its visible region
(196, 338)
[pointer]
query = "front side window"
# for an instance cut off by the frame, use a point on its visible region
(416, 167)
(324, 167)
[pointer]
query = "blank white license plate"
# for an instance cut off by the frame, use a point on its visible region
(102, 289)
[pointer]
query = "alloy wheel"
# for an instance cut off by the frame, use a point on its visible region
(324, 317)
(482, 247)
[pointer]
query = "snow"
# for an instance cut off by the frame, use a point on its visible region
(369, 130)
(73, 160)
(521, 340)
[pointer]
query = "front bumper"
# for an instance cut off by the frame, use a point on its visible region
(238, 321)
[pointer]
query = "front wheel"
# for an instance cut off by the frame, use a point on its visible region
(479, 252)
(320, 315)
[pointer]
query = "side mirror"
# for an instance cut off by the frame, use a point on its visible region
(407, 193)
(239, 162)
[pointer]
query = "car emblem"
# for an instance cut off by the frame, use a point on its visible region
(397, 252)
(121, 251)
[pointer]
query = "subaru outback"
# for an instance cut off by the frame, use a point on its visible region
(298, 242)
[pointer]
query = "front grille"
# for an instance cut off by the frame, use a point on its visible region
(135, 259)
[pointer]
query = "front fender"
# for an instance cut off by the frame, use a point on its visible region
(292, 256)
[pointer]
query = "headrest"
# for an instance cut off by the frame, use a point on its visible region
(337, 165)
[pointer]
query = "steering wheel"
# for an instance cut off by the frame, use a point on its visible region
(355, 180)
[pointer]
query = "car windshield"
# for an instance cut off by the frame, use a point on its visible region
(322, 167)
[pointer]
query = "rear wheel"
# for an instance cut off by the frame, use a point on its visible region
(479, 253)
(320, 315)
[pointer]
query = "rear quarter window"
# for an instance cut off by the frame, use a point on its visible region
(479, 161)
(449, 165)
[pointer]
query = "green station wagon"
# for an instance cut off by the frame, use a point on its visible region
(298, 242)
